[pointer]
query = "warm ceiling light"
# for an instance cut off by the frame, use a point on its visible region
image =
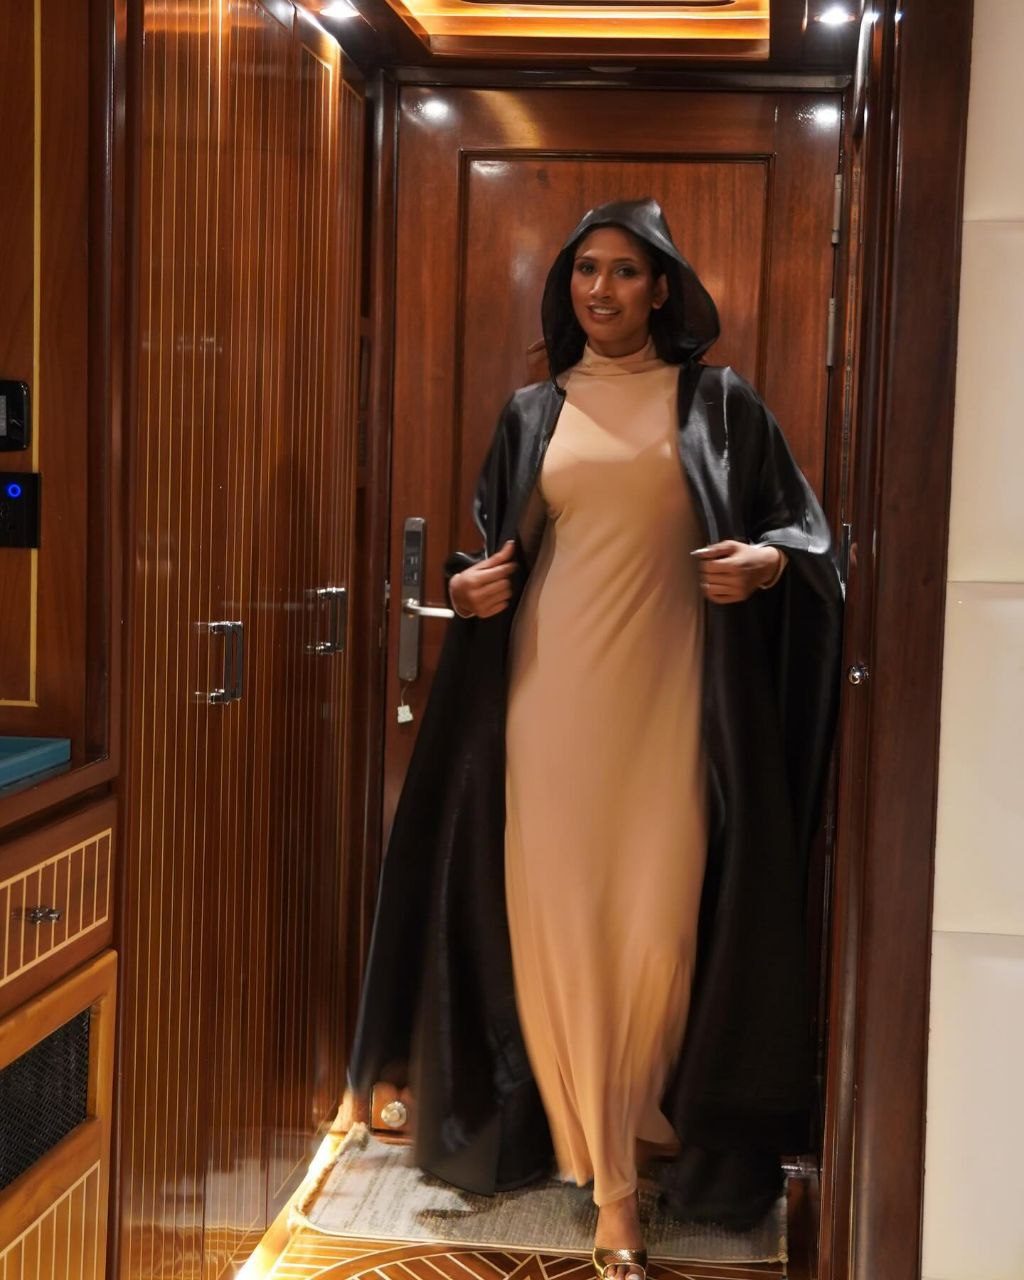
(835, 15)
(339, 9)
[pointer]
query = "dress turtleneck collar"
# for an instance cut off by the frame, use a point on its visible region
(636, 362)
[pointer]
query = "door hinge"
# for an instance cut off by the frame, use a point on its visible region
(837, 208)
(830, 339)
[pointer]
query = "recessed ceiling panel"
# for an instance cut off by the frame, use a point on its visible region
(709, 28)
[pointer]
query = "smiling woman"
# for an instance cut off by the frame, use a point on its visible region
(606, 727)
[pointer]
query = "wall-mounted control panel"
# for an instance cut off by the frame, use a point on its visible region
(19, 509)
(15, 415)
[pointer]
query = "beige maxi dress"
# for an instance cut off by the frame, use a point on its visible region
(605, 785)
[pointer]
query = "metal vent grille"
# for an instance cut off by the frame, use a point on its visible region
(43, 1096)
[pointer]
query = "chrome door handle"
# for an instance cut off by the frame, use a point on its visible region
(337, 601)
(238, 640)
(222, 695)
(416, 610)
(230, 690)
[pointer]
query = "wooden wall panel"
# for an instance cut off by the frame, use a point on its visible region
(247, 277)
(307, 844)
(44, 341)
(257, 60)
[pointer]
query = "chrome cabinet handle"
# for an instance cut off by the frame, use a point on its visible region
(43, 915)
(416, 610)
(858, 674)
(234, 662)
(337, 601)
(238, 639)
(222, 695)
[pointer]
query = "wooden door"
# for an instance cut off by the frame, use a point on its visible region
(174, 735)
(490, 182)
(314, 465)
(242, 444)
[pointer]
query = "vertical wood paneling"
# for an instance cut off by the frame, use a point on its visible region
(171, 810)
(241, 466)
(312, 368)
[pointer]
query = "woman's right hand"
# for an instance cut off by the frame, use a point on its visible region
(485, 588)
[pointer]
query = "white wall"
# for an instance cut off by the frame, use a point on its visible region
(974, 1175)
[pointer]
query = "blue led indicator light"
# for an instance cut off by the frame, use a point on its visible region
(14, 490)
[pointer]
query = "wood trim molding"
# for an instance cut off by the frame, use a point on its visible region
(375, 515)
(873, 1176)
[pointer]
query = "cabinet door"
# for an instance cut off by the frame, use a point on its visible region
(56, 1081)
(174, 800)
(242, 474)
(314, 478)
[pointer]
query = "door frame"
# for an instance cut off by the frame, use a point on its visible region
(898, 306)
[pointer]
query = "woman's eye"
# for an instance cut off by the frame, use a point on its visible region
(627, 271)
(584, 268)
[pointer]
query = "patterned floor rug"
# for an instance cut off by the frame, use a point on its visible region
(373, 1192)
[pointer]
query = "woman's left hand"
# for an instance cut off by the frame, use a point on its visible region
(731, 571)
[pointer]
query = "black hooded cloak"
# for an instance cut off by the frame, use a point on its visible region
(438, 1007)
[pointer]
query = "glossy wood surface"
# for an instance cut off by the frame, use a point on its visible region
(72, 184)
(912, 159)
(53, 1219)
(242, 462)
(44, 341)
(68, 867)
(746, 181)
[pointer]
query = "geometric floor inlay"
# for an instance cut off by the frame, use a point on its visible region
(310, 1255)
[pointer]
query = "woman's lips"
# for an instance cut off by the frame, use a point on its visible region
(603, 313)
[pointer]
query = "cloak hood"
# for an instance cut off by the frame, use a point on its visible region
(682, 329)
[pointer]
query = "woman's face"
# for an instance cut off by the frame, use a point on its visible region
(614, 291)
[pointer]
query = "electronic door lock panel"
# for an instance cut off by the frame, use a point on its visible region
(414, 534)
(19, 509)
(15, 416)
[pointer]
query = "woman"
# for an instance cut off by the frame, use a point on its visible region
(610, 802)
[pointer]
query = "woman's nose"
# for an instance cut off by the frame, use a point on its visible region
(599, 289)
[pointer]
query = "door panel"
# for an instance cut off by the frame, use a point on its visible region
(173, 735)
(489, 184)
(316, 477)
(242, 441)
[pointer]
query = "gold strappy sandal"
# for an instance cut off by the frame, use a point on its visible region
(635, 1259)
